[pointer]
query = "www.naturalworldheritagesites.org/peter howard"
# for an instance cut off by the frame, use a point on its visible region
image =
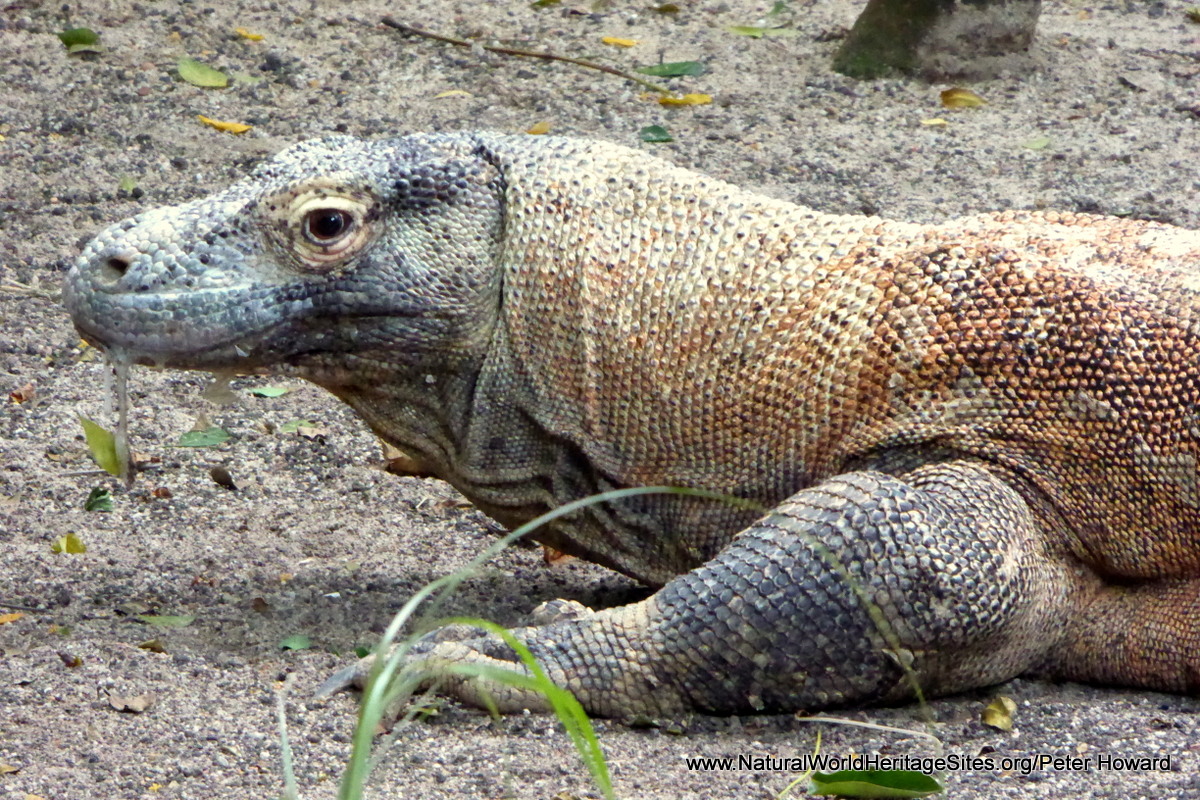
(954, 762)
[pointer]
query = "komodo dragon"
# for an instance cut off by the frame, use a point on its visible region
(988, 428)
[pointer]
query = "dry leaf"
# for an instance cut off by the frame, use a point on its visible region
(400, 463)
(999, 713)
(162, 493)
(312, 431)
(8, 769)
(23, 394)
(245, 34)
(13, 617)
(618, 42)
(553, 556)
(221, 477)
(132, 704)
(70, 660)
(452, 93)
(958, 97)
(935, 122)
(228, 127)
(694, 99)
(538, 128)
(153, 645)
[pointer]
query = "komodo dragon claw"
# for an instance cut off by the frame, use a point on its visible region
(355, 676)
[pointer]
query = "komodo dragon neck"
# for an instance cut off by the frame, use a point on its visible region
(654, 336)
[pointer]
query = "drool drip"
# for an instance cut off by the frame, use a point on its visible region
(116, 383)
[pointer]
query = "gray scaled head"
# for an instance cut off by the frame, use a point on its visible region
(336, 249)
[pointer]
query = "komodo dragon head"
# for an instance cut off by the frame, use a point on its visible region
(337, 248)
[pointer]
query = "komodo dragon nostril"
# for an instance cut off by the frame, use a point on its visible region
(114, 268)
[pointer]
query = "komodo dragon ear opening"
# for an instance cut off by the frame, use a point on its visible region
(464, 178)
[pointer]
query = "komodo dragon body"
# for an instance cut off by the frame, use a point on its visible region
(977, 441)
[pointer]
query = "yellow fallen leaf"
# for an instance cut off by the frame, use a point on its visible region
(539, 128)
(694, 99)
(936, 122)
(13, 617)
(245, 34)
(617, 42)
(999, 713)
(228, 127)
(452, 93)
(958, 97)
(8, 769)
(70, 543)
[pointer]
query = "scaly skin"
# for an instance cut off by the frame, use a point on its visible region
(987, 428)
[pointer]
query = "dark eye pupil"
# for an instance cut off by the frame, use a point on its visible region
(327, 224)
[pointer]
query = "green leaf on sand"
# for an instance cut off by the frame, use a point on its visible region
(209, 437)
(99, 499)
(199, 74)
(655, 133)
(894, 783)
(78, 36)
(673, 69)
(102, 445)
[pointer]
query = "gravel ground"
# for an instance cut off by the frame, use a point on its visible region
(1103, 116)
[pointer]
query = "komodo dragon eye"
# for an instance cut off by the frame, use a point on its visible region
(326, 224)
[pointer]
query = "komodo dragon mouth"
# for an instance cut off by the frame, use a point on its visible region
(978, 439)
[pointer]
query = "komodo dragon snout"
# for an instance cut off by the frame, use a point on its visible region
(978, 440)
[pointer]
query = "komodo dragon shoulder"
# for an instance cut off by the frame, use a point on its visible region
(975, 443)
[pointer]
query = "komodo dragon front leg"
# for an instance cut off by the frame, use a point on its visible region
(817, 604)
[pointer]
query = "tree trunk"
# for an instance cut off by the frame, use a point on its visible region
(938, 38)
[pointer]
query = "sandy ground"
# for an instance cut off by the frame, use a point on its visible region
(1104, 116)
